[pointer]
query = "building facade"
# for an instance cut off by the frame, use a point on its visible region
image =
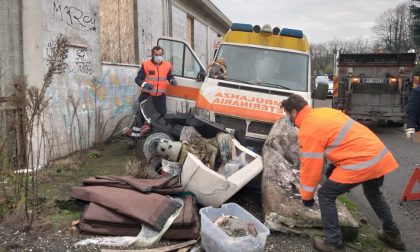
(107, 41)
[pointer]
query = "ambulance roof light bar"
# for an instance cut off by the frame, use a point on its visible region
(267, 29)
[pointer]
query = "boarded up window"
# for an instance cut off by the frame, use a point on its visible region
(117, 31)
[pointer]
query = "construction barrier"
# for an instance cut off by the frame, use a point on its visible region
(412, 190)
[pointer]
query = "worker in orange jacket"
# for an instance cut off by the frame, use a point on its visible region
(358, 157)
(154, 77)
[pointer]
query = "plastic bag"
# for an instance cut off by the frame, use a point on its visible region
(234, 165)
(172, 168)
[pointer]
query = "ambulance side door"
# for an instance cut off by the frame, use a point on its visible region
(189, 73)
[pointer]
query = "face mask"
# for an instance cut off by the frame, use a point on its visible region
(287, 119)
(157, 59)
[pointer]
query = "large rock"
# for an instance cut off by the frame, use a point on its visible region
(282, 207)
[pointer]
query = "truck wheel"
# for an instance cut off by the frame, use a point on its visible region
(395, 124)
(149, 145)
(334, 104)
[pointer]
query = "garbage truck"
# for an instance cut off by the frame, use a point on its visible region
(373, 88)
(263, 66)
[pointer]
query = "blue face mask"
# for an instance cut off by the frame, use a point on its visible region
(157, 59)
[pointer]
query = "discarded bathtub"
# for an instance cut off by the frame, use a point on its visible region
(212, 188)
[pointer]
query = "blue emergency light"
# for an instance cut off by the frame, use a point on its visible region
(256, 28)
(291, 33)
(241, 27)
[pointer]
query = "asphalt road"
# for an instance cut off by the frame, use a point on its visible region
(407, 216)
(407, 154)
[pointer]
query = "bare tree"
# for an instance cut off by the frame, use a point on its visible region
(393, 28)
(322, 54)
(415, 22)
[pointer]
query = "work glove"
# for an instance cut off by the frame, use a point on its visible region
(409, 133)
(147, 86)
(173, 82)
(308, 203)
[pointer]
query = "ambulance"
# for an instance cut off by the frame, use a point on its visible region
(264, 66)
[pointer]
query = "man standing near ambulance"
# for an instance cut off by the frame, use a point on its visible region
(413, 115)
(153, 78)
(358, 157)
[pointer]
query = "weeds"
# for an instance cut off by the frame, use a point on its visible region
(94, 154)
(348, 203)
(31, 104)
(63, 217)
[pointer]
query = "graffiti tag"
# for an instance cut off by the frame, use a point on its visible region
(75, 17)
(147, 43)
(82, 64)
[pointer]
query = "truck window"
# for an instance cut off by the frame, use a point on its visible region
(266, 67)
(183, 62)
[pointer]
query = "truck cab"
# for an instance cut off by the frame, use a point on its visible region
(263, 67)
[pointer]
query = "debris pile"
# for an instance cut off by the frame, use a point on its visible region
(123, 206)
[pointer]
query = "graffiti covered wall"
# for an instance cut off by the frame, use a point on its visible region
(88, 91)
(150, 24)
(88, 88)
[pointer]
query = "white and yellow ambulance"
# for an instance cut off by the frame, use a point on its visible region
(264, 66)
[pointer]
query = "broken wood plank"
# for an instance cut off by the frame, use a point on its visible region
(161, 249)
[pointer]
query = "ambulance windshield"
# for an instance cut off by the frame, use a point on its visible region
(265, 67)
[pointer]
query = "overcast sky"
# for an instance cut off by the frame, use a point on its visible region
(320, 20)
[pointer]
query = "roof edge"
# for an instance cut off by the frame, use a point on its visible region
(217, 12)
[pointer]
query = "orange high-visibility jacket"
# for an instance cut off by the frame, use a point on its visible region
(357, 153)
(157, 75)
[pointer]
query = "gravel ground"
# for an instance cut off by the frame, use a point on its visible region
(44, 237)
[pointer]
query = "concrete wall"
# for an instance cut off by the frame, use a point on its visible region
(179, 23)
(10, 44)
(79, 22)
(150, 25)
(97, 88)
(206, 28)
(43, 21)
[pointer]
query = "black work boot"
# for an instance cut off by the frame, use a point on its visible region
(324, 246)
(393, 239)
